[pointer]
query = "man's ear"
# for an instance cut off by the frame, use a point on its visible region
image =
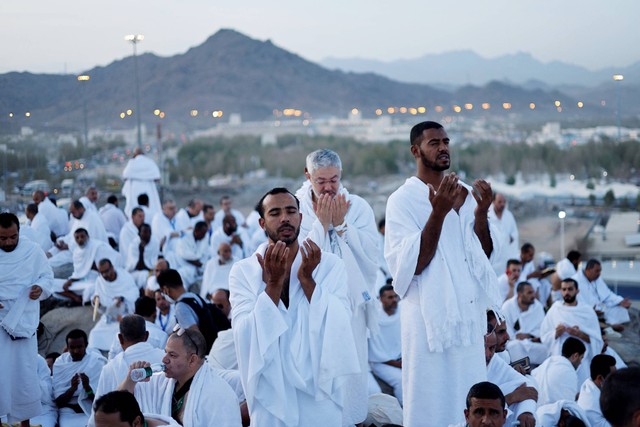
(261, 222)
(146, 335)
(120, 338)
(137, 422)
(415, 150)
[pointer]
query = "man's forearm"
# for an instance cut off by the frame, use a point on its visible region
(429, 241)
(481, 228)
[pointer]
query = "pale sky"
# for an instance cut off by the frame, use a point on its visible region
(55, 36)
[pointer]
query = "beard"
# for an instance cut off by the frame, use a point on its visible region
(569, 299)
(9, 248)
(274, 235)
(433, 165)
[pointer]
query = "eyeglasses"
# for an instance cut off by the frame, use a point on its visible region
(321, 182)
(180, 331)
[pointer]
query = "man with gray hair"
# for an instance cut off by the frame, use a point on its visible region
(344, 224)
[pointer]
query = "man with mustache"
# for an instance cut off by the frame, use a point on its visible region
(572, 318)
(437, 245)
(344, 224)
(291, 323)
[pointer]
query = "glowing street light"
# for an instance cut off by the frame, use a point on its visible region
(618, 78)
(85, 78)
(561, 216)
(134, 39)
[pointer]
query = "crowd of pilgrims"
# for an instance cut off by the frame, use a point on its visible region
(154, 270)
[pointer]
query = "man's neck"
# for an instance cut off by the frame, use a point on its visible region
(571, 304)
(523, 307)
(498, 213)
(186, 377)
(430, 176)
(390, 311)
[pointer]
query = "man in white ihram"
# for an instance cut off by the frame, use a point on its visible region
(501, 217)
(25, 278)
(344, 224)
(291, 324)
(140, 177)
(437, 245)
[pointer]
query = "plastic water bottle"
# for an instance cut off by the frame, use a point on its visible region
(140, 374)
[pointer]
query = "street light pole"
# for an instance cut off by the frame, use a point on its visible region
(618, 78)
(85, 142)
(135, 39)
(562, 215)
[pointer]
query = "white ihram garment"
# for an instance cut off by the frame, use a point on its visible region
(597, 293)
(139, 177)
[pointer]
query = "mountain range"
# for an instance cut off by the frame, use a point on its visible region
(237, 74)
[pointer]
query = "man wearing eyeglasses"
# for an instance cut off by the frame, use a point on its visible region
(344, 224)
(189, 390)
(291, 324)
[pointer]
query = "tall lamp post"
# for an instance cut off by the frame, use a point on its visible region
(85, 142)
(618, 78)
(135, 39)
(562, 215)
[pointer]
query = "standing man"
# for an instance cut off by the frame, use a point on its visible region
(113, 218)
(438, 246)
(25, 278)
(501, 217)
(344, 224)
(140, 177)
(291, 317)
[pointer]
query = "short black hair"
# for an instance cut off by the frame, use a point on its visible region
(272, 192)
(382, 223)
(601, 364)
(145, 306)
(526, 247)
(620, 396)
(75, 334)
(200, 225)
(574, 256)
(416, 132)
(485, 390)
(170, 278)
(53, 355)
(119, 402)
(113, 199)
(521, 286)
(144, 225)
(570, 280)
(136, 210)
(513, 261)
(143, 199)
(77, 204)
(591, 263)
(384, 289)
(572, 346)
(32, 208)
(7, 219)
(194, 342)
(81, 230)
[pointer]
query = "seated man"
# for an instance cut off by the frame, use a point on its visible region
(152, 282)
(589, 400)
(520, 393)
(220, 298)
(86, 254)
(571, 318)
(165, 313)
(145, 307)
(556, 377)
(563, 413)
(132, 337)
(142, 255)
(75, 377)
(508, 280)
(620, 398)
(130, 230)
(192, 253)
(485, 406)
(216, 271)
(49, 415)
(230, 233)
(523, 316)
(385, 348)
(40, 226)
(118, 408)
(189, 390)
(595, 293)
(115, 295)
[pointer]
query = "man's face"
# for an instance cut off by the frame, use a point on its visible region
(220, 300)
(224, 252)
(196, 208)
(282, 218)
(527, 296)
(229, 224)
(9, 238)
(36, 198)
(225, 205)
(209, 214)
(81, 238)
(389, 300)
(499, 203)
(199, 233)
(161, 266)
(138, 218)
(514, 270)
(593, 273)
(145, 234)
(176, 359)
(161, 302)
(576, 262)
(169, 210)
(107, 272)
(76, 212)
(527, 256)
(92, 194)
(325, 180)
(502, 336)
(569, 292)
(485, 413)
(490, 343)
(433, 150)
(77, 348)
(113, 420)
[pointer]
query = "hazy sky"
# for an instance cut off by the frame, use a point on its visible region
(63, 35)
